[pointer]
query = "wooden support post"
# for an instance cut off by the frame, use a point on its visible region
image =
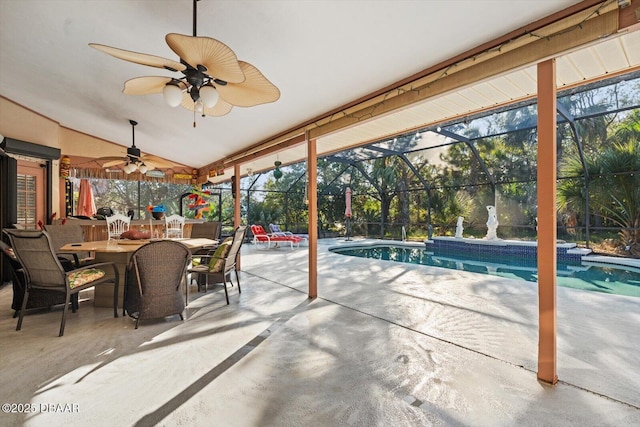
(312, 176)
(547, 231)
(237, 220)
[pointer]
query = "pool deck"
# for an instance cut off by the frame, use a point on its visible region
(384, 344)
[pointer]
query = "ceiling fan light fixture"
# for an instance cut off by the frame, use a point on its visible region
(209, 95)
(142, 168)
(130, 167)
(172, 94)
(206, 64)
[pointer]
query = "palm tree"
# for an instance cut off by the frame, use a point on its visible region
(614, 186)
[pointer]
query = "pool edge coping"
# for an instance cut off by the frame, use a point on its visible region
(366, 243)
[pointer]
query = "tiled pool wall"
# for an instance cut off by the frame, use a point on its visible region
(567, 253)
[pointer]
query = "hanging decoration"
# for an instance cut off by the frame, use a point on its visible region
(277, 173)
(198, 201)
(65, 166)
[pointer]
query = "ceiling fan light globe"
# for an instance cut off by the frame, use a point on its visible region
(143, 168)
(172, 94)
(209, 95)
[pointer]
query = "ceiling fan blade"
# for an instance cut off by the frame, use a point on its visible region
(220, 60)
(154, 162)
(108, 158)
(145, 85)
(113, 163)
(150, 166)
(140, 58)
(255, 90)
(220, 109)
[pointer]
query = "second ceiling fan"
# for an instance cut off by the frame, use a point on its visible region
(213, 80)
(134, 160)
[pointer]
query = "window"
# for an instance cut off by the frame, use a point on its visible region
(122, 196)
(27, 214)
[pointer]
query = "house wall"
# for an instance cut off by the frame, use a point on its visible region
(20, 123)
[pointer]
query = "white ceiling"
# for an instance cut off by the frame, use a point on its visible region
(320, 54)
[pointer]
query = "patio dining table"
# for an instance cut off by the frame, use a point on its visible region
(119, 252)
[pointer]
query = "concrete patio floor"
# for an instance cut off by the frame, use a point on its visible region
(385, 344)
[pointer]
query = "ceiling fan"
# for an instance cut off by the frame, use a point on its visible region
(213, 80)
(134, 160)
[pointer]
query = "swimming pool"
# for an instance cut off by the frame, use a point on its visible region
(591, 276)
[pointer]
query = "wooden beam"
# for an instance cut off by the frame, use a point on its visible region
(630, 16)
(547, 231)
(312, 183)
(250, 155)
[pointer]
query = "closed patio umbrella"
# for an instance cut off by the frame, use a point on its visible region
(86, 202)
(347, 211)
(347, 202)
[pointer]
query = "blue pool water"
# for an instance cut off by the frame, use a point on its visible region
(610, 279)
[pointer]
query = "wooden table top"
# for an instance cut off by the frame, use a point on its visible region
(125, 245)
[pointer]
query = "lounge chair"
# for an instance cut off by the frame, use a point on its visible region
(276, 230)
(262, 237)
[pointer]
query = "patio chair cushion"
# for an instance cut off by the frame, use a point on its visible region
(217, 260)
(135, 235)
(82, 277)
(275, 228)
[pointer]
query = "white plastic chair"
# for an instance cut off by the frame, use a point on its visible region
(174, 226)
(117, 224)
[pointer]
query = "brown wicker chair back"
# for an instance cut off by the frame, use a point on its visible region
(155, 274)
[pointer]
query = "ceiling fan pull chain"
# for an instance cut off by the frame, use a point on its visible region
(194, 117)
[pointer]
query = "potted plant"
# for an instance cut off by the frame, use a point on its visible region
(157, 212)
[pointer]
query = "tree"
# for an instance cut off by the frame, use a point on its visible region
(614, 182)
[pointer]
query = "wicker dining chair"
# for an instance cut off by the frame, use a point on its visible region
(153, 284)
(43, 271)
(217, 267)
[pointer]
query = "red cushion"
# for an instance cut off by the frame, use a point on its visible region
(262, 236)
(135, 235)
